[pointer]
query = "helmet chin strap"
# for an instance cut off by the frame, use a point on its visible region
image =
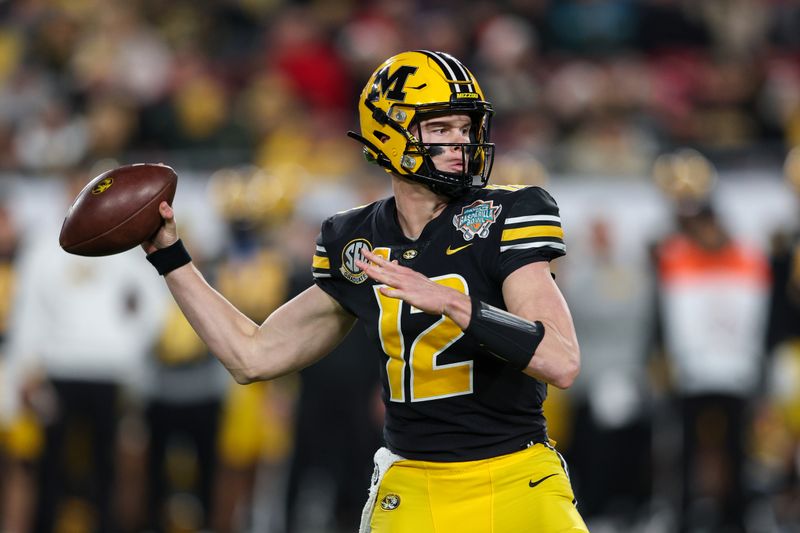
(450, 191)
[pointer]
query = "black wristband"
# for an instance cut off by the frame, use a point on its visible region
(168, 259)
(504, 335)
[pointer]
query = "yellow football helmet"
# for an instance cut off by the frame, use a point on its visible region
(413, 86)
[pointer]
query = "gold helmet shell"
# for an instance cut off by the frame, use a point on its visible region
(404, 90)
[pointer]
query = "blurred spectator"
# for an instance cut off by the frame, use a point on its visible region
(336, 428)
(609, 289)
(666, 25)
(255, 429)
(438, 30)
(607, 145)
(335, 434)
(297, 48)
(122, 55)
(591, 28)
(712, 292)
(52, 139)
(80, 331)
(782, 456)
(507, 54)
(20, 436)
(599, 109)
(779, 100)
(738, 28)
(267, 102)
(185, 387)
(24, 93)
(373, 34)
(591, 88)
(200, 103)
(111, 123)
(697, 67)
(784, 21)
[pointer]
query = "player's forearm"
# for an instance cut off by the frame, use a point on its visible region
(531, 293)
(557, 358)
(226, 331)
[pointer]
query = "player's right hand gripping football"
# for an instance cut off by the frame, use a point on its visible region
(167, 234)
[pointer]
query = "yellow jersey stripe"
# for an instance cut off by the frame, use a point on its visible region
(509, 187)
(320, 262)
(532, 231)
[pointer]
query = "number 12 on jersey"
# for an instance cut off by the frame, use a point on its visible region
(429, 380)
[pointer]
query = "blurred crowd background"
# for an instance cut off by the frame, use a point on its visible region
(665, 129)
(596, 87)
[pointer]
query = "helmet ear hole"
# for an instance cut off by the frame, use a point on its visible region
(382, 137)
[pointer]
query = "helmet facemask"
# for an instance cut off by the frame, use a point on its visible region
(477, 155)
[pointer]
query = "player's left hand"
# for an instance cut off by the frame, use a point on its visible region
(412, 287)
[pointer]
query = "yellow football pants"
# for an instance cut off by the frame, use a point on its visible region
(526, 491)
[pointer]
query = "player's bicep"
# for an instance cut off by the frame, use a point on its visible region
(302, 331)
(530, 291)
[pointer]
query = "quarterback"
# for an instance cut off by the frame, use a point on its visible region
(450, 277)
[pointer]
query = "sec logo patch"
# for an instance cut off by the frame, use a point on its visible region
(350, 254)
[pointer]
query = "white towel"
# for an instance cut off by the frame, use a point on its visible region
(383, 460)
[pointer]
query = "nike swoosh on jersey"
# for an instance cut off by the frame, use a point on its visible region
(532, 484)
(451, 251)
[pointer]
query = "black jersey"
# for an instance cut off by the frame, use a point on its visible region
(446, 398)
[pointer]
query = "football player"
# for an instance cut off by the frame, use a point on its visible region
(451, 279)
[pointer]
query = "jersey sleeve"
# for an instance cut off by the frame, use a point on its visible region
(531, 231)
(325, 275)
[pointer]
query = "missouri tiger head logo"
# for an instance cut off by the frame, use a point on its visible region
(103, 186)
(350, 254)
(390, 502)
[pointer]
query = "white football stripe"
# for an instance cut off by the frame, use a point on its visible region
(556, 245)
(464, 74)
(450, 72)
(533, 218)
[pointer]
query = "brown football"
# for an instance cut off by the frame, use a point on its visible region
(118, 210)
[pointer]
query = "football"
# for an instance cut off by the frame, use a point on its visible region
(118, 210)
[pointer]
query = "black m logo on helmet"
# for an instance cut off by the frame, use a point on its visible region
(391, 85)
